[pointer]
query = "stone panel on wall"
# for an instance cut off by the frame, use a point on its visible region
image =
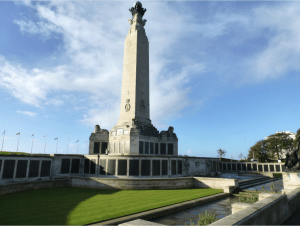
(254, 165)
(8, 169)
(75, 166)
(0, 164)
(266, 168)
(224, 166)
(260, 168)
(164, 165)
(145, 167)
(86, 166)
(234, 166)
(220, 165)
(146, 147)
(170, 149)
(34, 167)
(283, 168)
(122, 167)
(156, 148)
(134, 167)
(46, 167)
(102, 167)
(163, 149)
(228, 166)
(271, 168)
(21, 168)
(179, 162)
(141, 147)
(239, 167)
(65, 166)
(155, 167)
(173, 167)
(103, 147)
(111, 167)
(151, 148)
(244, 167)
(93, 166)
(96, 147)
(277, 167)
(249, 166)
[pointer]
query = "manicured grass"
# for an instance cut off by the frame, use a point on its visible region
(14, 153)
(62, 206)
(277, 175)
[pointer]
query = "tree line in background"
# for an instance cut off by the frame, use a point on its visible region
(273, 148)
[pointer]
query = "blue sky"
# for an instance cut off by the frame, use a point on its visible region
(223, 74)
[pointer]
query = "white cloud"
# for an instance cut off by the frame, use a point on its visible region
(27, 113)
(94, 53)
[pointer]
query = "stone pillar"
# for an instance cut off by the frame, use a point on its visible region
(15, 170)
(40, 168)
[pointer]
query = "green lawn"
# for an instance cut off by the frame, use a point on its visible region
(79, 206)
(14, 153)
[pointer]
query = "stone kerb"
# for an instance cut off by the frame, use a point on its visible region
(290, 181)
(132, 184)
(226, 184)
(271, 210)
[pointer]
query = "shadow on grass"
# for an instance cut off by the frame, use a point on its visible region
(44, 206)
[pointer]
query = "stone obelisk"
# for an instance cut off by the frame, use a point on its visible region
(135, 79)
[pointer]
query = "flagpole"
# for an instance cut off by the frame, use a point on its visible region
(18, 142)
(56, 144)
(32, 142)
(68, 146)
(45, 143)
(77, 146)
(3, 140)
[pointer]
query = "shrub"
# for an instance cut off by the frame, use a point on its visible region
(205, 219)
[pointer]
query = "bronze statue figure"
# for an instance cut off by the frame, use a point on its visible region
(292, 162)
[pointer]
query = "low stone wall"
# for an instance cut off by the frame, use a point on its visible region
(29, 185)
(218, 183)
(132, 184)
(273, 210)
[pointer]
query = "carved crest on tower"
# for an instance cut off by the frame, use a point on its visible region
(127, 105)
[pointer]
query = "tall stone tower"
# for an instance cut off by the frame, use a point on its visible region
(135, 80)
(134, 133)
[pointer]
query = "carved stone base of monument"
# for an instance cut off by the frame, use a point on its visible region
(290, 181)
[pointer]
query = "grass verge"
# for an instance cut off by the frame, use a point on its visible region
(80, 206)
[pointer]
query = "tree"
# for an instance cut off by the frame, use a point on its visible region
(295, 141)
(241, 156)
(221, 153)
(278, 142)
(259, 151)
(271, 148)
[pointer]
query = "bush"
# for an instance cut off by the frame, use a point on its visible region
(247, 199)
(205, 219)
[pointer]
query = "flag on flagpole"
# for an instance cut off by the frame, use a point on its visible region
(32, 135)
(18, 134)
(77, 141)
(3, 133)
(56, 138)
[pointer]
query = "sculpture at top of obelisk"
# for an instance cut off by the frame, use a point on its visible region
(135, 78)
(137, 12)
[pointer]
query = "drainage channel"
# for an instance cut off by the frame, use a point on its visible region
(220, 208)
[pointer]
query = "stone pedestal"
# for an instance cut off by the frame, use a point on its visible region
(291, 181)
